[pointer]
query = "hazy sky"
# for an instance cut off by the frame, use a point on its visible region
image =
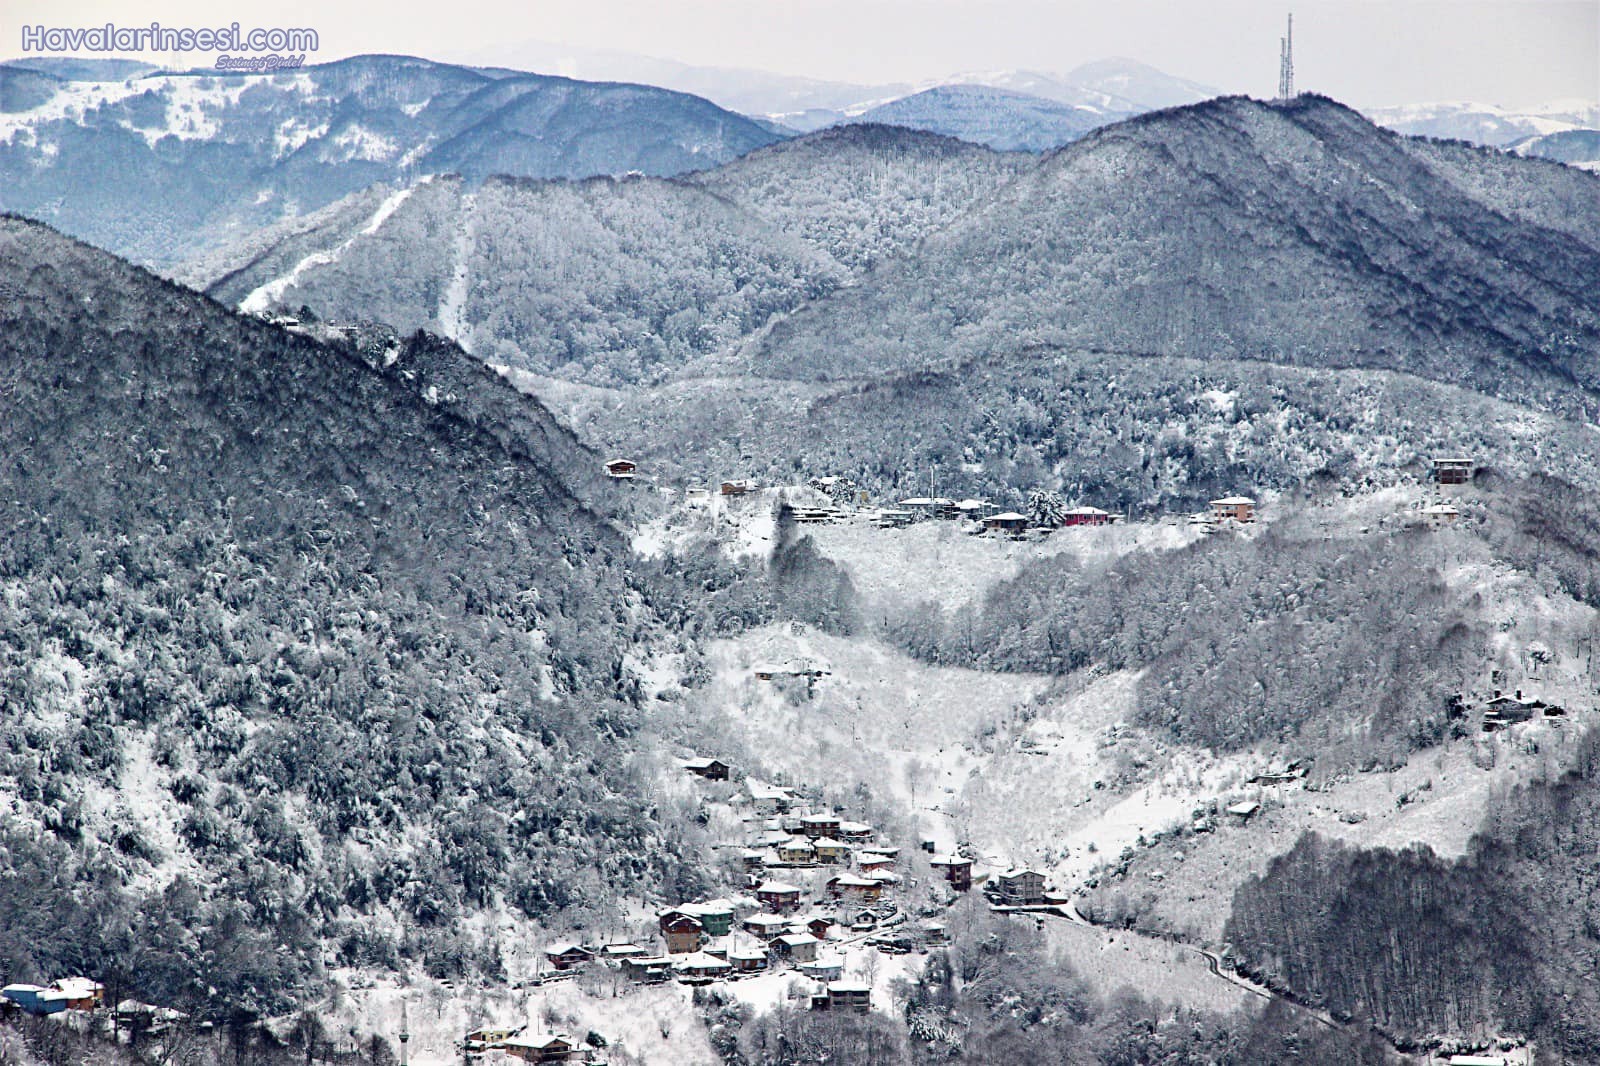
(1366, 52)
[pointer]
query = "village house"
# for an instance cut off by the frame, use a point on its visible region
(565, 956)
(1452, 471)
(621, 469)
(867, 861)
(35, 999)
(753, 858)
(648, 969)
(854, 832)
(779, 897)
(797, 851)
(1008, 523)
(1294, 771)
(765, 926)
(747, 960)
(488, 1039)
(893, 518)
(1021, 887)
(820, 825)
(844, 995)
(768, 799)
(853, 889)
(682, 932)
(1240, 509)
(1505, 710)
(974, 509)
(930, 507)
(955, 869)
(933, 931)
(715, 915)
(710, 769)
(736, 488)
(539, 1048)
(1441, 514)
(823, 968)
(618, 952)
(796, 947)
(701, 967)
(831, 852)
(80, 992)
(818, 925)
(1088, 516)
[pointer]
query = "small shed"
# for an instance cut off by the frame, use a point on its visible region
(621, 469)
(893, 518)
(1245, 811)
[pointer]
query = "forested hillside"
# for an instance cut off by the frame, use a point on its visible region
(304, 658)
(1209, 625)
(1295, 233)
(1500, 940)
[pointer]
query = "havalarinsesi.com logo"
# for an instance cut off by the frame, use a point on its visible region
(280, 44)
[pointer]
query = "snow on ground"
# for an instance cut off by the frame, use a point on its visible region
(939, 562)
(910, 731)
(71, 102)
(1111, 961)
(453, 303)
(657, 1023)
(265, 296)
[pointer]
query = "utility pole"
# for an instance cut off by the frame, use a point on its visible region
(1286, 63)
(405, 1032)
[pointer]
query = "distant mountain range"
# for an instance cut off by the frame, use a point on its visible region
(868, 257)
(998, 118)
(160, 166)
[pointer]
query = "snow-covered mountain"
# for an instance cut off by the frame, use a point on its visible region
(999, 118)
(1487, 123)
(160, 166)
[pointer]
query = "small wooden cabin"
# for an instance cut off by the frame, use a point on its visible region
(621, 469)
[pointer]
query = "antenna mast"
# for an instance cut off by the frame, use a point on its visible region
(1286, 63)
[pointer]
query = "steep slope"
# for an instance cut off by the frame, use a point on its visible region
(605, 281)
(160, 167)
(999, 118)
(302, 657)
(1232, 229)
(616, 282)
